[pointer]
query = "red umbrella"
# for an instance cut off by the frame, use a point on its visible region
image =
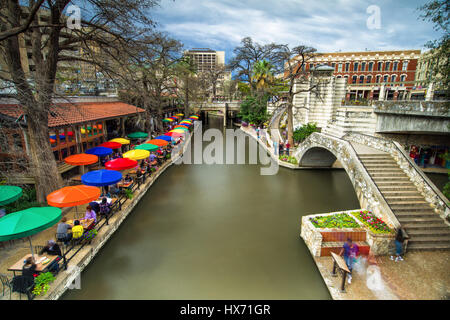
(121, 164)
(174, 134)
(111, 145)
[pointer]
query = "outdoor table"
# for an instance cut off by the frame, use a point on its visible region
(40, 266)
(125, 185)
(86, 223)
(77, 178)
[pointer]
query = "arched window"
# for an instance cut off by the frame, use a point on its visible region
(369, 79)
(361, 79)
(385, 78)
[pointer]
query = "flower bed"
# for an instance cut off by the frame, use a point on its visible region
(375, 224)
(288, 159)
(341, 220)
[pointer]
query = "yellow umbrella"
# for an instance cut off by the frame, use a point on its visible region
(178, 130)
(137, 154)
(120, 140)
(179, 114)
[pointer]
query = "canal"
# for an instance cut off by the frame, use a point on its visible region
(218, 232)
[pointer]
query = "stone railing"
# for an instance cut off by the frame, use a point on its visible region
(368, 194)
(379, 243)
(421, 108)
(424, 185)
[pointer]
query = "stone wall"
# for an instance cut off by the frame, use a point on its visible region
(424, 185)
(367, 192)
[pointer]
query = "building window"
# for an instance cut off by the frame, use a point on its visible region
(370, 66)
(378, 79)
(363, 66)
(385, 79)
(346, 79)
(369, 79)
(387, 66)
(395, 66)
(355, 66)
(380, 66)
(402, 80)
(347, 66)
(340, 67)
(405, 66)
(333, 65)
(361, 79)
(354, 78)
(393, 78)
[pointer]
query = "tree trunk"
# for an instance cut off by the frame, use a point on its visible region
(290, 123)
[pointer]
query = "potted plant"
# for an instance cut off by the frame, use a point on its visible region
(41, 283)
(129, 193)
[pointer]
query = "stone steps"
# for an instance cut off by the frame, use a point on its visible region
(428, 247)
(401, 198)
(429, 232)
(431, 219)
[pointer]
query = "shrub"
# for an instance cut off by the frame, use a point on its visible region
(339, 220)
(289, 159)
(300, 134)
(41, 283)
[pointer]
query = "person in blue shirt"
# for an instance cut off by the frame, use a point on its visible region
(350, 251)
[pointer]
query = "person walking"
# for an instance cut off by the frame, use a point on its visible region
(257, 132)
(275, 148)
(281, 148)
(288, 146)
(350, 251)
(399, 239)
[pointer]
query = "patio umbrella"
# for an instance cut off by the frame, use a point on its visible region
(174, 134)
(179, 115)
(193, 117)
(138, 135)
(137, 154)
(101, 178)
(73, 196)
(9, 194)
(99, 151)
(158, 142)
(120, 140)
(82, 159)
(28, 222)
(120, 164)
(166, 138)
(184, 125)
(147, 146)
(186, 122)
(111, 145)
(182, 128)
(178, 131)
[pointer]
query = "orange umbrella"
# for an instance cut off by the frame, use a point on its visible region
(81, 159)
(159, 143)
(73, 196)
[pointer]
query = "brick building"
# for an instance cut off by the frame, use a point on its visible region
(373, 75)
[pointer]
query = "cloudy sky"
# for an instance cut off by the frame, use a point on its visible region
(328, 25)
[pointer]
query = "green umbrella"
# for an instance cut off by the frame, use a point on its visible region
(138, 135)
(9, 194)
(27, 222)
(147, 146)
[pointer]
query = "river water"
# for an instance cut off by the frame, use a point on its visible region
(218, 232)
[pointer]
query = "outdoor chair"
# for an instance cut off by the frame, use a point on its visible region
(22, 285)
(6, 284)
(38, 249)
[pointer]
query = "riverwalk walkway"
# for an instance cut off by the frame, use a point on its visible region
(66, 279)
(423, 275)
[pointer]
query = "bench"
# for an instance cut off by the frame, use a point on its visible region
(339, 262)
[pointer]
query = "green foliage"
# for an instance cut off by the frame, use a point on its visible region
(304, 132)
(244, 88)
(129, 193)
(446, 190)
(254, 109)
(91, 234)
(289, 159)
(41, 283)
(28, 200)
(340, 220)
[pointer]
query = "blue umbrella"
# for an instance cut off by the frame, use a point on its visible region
(101, 178)
(166, 138)
(99, 151)
(61, 137)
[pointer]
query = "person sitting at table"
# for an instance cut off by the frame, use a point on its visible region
(95, 206)
(77, 230)
(61, 231)
(29, 268)
(128, 179)
(52, 249)
(90, 214)
(25, 281)
(113, 190)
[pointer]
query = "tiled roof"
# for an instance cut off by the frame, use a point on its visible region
(75, 113)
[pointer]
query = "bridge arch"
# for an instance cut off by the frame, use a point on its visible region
(317, 157)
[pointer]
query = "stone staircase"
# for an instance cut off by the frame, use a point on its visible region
(351, 119)
(426, 229)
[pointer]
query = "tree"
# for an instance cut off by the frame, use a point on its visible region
(254, 109)
(186, 81)
(297, 79)
(109, 25)
(247, 55)
(263, 75)
(437, 11)
(214, 76)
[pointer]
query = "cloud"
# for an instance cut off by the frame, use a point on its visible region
(328, 25)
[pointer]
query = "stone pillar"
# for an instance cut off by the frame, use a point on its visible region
(382, 93)
(225, 115)
(429, 93)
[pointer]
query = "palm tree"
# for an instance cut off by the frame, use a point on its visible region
(262, 74)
